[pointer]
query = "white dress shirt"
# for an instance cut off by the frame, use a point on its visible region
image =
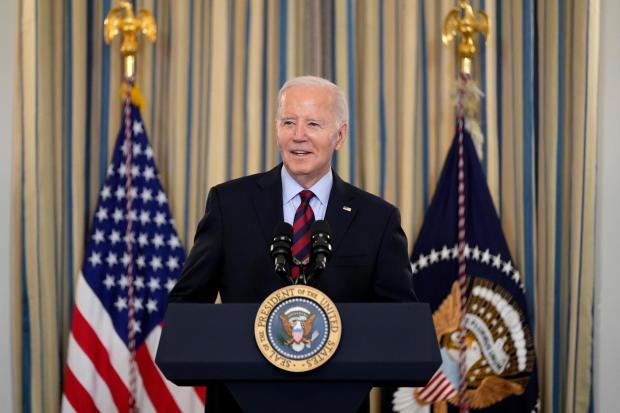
(291, 198)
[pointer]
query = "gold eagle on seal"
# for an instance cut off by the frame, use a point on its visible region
(295, 331)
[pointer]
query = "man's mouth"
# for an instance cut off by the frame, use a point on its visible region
(300, 153)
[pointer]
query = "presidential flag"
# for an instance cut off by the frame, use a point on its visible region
(133, 259)
(495, 357)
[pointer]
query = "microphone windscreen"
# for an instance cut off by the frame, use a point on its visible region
(321, 227)
(283, 229)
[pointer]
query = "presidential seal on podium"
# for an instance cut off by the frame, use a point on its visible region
(297, 328)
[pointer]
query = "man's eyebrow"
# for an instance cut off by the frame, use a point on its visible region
(293, 117)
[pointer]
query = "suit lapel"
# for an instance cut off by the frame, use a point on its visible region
(268, 201)
(341, 210)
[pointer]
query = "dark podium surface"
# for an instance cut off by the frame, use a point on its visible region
(382, 344)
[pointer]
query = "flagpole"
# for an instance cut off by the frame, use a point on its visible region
(462, 22)
(122, 21)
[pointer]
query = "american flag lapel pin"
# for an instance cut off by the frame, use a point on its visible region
(346, 208)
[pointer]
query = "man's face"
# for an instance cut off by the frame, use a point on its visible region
(307, 132)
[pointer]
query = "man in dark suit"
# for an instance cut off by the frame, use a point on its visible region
(231, 247)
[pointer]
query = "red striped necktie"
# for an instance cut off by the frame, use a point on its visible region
(304, 217)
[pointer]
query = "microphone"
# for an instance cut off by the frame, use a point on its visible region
(280, 248)
(321, 244)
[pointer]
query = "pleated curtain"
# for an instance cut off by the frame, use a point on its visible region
(210, 84)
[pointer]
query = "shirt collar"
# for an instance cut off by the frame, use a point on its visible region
(321, 189)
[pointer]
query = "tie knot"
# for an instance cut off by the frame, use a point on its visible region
(306, 196)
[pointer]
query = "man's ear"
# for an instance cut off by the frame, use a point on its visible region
(342, 135)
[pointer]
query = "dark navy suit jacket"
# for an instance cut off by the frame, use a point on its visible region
(370, 261)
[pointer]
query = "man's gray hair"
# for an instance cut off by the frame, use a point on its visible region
(340, 101)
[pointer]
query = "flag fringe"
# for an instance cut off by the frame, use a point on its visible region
(137, 99)
(467, 96)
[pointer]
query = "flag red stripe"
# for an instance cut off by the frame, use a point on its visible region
(430, 391)
(449, 393)
(88, 340)
(155, 388)
(76, 394)
(430, 386)
(433, 379)
(187, 398)
(441, 390)
(443, 393)
(439, 387)
(202, 393)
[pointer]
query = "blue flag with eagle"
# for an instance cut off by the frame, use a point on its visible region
(499, 359)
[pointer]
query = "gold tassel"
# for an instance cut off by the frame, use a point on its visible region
(136, 96)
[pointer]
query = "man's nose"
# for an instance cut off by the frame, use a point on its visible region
(300, 132)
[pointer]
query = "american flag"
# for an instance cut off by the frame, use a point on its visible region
(133, 259)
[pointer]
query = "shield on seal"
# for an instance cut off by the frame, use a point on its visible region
(298, 332)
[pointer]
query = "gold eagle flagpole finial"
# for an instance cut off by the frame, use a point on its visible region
(122, 19)
(462, 21)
